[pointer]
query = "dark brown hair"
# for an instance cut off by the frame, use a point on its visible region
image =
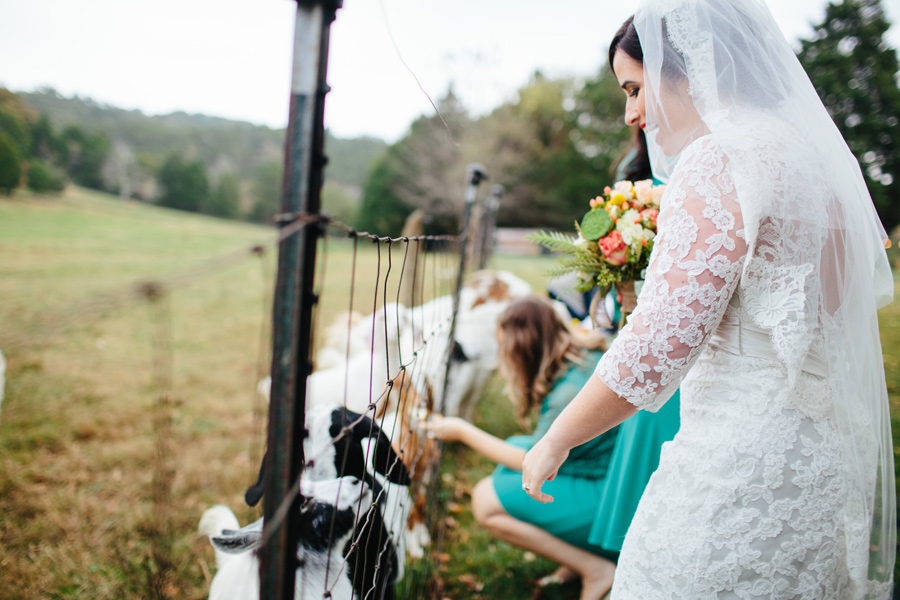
(535, 343)
(626, 38)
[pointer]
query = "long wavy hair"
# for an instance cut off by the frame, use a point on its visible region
(535, 345)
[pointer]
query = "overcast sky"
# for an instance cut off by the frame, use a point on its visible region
(232, 58)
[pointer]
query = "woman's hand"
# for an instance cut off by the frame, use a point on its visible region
(449, 429)
(541, 464)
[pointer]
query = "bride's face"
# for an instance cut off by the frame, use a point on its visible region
(630, 74)
(673, 128)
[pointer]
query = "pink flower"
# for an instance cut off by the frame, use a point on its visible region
(650, 214)
(613, 248)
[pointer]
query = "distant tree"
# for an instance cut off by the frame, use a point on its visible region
(17, 129)
(42, 178)
(553, 148)
(855, 73)
(183, 184)
(15, 119)
(83, 155)
(340, 203)
(10, 164)
(266, 189)
(42, 139)
(425, 169)
(225, 200)
(350, 160)
(382, 211)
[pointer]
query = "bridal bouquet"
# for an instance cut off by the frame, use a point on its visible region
(613, 240)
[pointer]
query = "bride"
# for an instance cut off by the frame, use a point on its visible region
(760, 302)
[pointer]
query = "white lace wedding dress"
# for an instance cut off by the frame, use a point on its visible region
(749, 500)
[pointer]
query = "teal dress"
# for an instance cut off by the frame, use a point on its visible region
(596, 491)
(634, 459)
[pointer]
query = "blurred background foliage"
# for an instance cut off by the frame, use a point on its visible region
(553, 146)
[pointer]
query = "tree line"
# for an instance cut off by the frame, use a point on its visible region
(553, 146)
(197, 163)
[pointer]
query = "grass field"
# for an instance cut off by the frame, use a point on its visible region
(87, 369)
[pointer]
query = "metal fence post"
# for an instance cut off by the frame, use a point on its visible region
(294, 298)
(475, 174)
(489, 224)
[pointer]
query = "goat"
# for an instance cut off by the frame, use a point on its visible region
(338, 442)
(419, 454)
(361, 381)
(327, 525)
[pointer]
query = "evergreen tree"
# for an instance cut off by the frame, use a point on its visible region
(10, 163)
(184, 184)
(855, 73)
(226, 197)
(382, 211)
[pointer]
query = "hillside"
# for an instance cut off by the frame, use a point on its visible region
(141, 143)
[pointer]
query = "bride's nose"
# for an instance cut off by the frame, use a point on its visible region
(632, 116)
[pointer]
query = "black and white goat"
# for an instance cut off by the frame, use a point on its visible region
(337, 443)
(328, 527)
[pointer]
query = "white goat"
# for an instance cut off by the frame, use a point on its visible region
(362, 380)
(375, 344)
(327, 523)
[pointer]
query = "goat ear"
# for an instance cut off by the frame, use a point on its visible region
(384, 458)
(239, 541)
(255, 491)
(458, 354)
(387, 462)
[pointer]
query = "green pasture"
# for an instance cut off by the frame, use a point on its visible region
(90, 356)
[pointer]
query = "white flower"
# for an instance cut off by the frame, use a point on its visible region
(632, 233)
(631, 215)
(625, 188)
(658, 193)
(643, 190)
(582, 243)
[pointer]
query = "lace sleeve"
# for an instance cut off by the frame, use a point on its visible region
(694, 269)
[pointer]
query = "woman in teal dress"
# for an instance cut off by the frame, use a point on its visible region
(545, 363)
(636, 455)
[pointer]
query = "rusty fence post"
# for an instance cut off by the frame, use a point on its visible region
(294, 299)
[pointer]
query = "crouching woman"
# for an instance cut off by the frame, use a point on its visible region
(545, 364)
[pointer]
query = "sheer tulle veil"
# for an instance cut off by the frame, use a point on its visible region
(722, 68)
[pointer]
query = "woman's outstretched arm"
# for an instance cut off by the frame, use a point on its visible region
(454, 429)
(595, 409)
